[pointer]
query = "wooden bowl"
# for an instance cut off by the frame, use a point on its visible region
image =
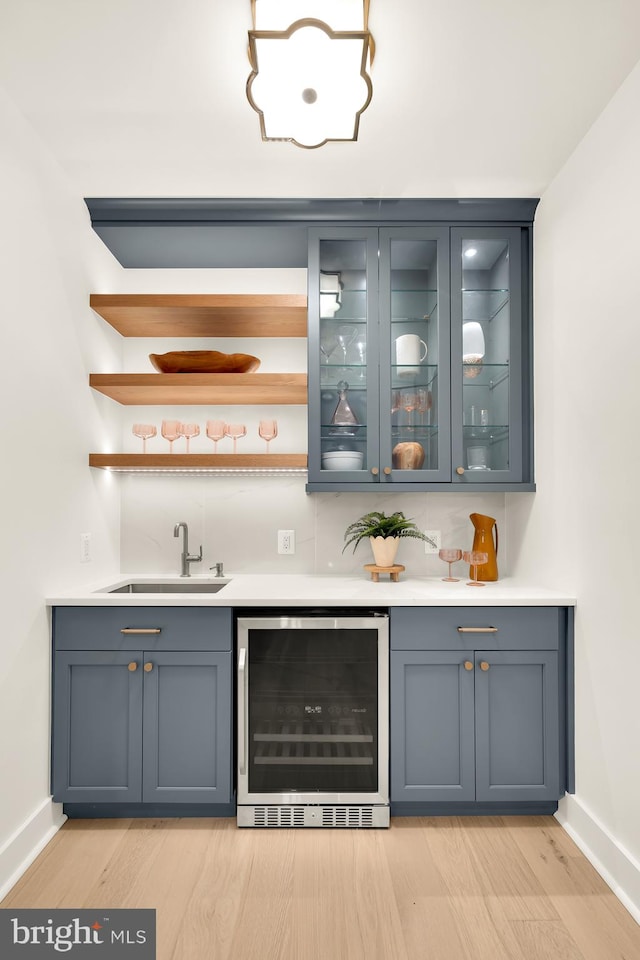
(203, 361)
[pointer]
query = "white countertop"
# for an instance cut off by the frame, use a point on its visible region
(301, 590)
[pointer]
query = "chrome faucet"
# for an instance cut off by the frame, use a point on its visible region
(186, 558)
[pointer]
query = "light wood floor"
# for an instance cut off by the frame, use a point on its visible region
(486, 888)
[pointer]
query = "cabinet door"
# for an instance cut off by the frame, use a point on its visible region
(432, 726)
(343, 356)
(187, 728)
(97, 726)
(414, 355)
(517, 732)
(490, 400)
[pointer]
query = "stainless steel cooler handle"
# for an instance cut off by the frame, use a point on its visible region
(242, 664)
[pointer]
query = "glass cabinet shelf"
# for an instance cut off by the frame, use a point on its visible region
(405, 376)
(334, 431)
(492, 433)
(484, 375)
(483, 304)
(413, 432)
(413, 305)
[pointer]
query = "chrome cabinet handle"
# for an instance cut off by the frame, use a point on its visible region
(140, 630)
(477, 629)
(242, 665)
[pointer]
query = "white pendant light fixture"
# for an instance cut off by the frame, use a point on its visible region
(473, 348)
(309, 82)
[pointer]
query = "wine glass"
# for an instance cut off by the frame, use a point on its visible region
(409, 403)
(475, 558)
(144, 431)
(327, 346)
(361, 353)
(268, 429)
(450, 555)
(424, 402)
(345, 336)
(235, 431)
(170, 431)
(216, 432)
(189, 430)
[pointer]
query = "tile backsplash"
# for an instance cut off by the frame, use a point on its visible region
(236, 519)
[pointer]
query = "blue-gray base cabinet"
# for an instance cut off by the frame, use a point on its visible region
(142, 710)
(478, 709)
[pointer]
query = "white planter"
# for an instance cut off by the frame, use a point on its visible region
(384, 550)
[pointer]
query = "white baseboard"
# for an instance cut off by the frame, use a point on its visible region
(617, 867)
(31, 837)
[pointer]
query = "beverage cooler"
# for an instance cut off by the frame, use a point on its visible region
(313, 724)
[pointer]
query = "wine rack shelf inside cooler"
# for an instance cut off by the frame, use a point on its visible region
(334, 742)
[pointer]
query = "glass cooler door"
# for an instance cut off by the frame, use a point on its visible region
(312, 715)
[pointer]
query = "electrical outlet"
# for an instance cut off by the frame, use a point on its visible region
(85, 547)
(436, 536)
(286, 541)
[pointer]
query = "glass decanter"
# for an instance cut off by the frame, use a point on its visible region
(343, 415)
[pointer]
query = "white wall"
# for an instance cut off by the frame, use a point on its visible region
(50, 261)
(581, 529)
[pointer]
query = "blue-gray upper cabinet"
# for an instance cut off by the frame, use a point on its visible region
(478, 709)
(419, 353)
(142, 705)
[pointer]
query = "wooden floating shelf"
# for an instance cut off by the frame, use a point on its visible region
(204, 315)
(202, 388)
(198, 461)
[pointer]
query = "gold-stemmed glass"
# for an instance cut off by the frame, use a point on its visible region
(268, 430)
(144, 431)
(170, 431)
(475, 558)
(450, 555)
(189, 430)
(424, 402)
(409, 403)
(216, 432)
(235, 431)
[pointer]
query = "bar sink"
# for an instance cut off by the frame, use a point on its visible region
(167, 586)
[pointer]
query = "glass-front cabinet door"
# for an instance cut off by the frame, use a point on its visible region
(379, 355)
(344, 423)
(486, 342)
(414, 355)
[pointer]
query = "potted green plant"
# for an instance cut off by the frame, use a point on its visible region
(384, 533)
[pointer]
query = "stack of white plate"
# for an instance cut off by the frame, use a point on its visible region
(342, 460)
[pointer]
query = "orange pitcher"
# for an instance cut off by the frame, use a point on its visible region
(483, 540)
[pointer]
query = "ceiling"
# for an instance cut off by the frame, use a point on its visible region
(471, 98)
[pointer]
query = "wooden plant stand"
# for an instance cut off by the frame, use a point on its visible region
(394, 571)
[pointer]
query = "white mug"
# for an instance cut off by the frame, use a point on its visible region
(410, 351)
